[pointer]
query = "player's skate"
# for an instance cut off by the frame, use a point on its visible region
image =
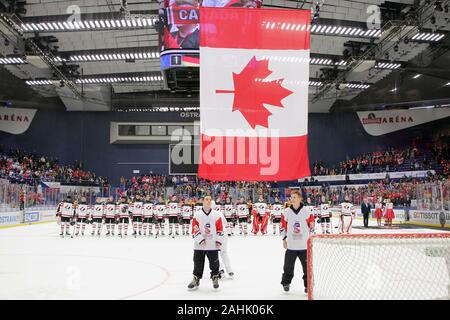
(221, 273)
(286, 288)
(194, 284)
(61, 235)
(231, 274)
(215, 281)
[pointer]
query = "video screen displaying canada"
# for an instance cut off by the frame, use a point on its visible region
(180, 20)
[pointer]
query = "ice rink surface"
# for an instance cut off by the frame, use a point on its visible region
(36, 263)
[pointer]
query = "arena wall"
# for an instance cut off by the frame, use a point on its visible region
(85, 136)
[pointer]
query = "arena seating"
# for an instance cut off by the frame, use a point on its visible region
(418, 156)
(22, 167)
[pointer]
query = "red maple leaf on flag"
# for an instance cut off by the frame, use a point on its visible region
(252, 91)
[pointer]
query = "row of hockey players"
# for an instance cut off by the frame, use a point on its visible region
(145, 215)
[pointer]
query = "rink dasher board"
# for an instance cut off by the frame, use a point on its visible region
(20, 218)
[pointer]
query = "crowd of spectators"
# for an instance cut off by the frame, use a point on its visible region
(30, 168)
(401, 193)
(417, 156)
(194, 187)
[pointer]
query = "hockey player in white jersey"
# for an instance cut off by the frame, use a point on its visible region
(160, 216)
(325, 217)
(207, 232)
(311, 209)
(242, 213)
(110, 216)
(347, 214)
(186, 215)
(229, 212)
(82, 215)
(148, 212)
(173, 208)
(224, 261)
(67, 211)
(137, 215)
(276, 210)
(124, 216)
(296, 224)
(97, 217)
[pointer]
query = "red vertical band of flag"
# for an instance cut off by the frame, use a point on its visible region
(244, 28)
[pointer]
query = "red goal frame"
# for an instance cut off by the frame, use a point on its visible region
(350, 236)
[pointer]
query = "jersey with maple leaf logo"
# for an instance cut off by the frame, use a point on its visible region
(67, 209)
(186, 211)
(242, 210)
(261, 208)
(277, 210)
(148, 209)
(83, 210)
(229, 210)
(160, 210)
(98, 211)
(173, 208)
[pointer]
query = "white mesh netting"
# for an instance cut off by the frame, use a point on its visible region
(380, 266)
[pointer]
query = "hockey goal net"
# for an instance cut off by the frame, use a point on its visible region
(382, 266)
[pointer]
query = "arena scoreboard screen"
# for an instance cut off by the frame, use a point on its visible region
(179, 31)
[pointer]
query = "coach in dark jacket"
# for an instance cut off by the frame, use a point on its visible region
(365, 210)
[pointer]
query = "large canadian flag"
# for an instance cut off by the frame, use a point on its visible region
(254, 72)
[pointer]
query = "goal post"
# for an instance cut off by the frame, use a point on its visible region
(379, 266)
